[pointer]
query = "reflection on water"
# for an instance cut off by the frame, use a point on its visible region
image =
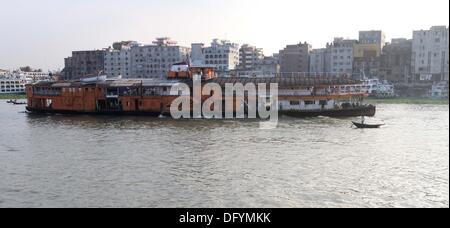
(91, 161)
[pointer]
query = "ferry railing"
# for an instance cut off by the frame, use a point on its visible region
(291, 74)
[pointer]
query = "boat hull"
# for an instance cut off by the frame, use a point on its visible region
(349, 112)
(112, 113)
(360, 125)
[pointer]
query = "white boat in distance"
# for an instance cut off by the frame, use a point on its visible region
(95, 79)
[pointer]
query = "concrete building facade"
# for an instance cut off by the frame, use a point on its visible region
(222, 54)
(396, 61)
(267, 67)
(118, 59)
(430, 54)
(197, 54)
(318, 61)
(340, 57)
(154, 61)
(295, 58)
(249, 57)
(366, 60)
(367, 52)
(373, 37)
(84, 63)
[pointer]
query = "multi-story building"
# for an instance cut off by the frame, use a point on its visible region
(373, 37)
(366, 60)
(198, 54)
(367, 52)
(154, 61)
(118, 59)
(430, 54)
(295, 58)
(318, 61)
(222, 54)
(340, 57)
(396, 61)
(12, 86)
(83, 63)
(29, 76)
(249, 57)
(32, 75)
(267, 67)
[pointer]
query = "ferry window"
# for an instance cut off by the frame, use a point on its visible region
(310, 102)
(294, 102)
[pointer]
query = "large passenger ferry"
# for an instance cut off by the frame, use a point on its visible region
(297, 96)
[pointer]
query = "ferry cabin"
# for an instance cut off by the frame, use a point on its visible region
(120, 96)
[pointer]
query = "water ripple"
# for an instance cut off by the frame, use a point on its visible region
(87, 161)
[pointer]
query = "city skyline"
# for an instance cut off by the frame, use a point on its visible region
(42, 35)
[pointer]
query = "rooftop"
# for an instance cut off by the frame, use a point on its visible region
(282, 82)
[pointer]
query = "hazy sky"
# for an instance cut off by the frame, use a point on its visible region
(41, 33)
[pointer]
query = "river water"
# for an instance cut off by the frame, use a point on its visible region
(86, 161)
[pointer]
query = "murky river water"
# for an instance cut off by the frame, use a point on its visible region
(85, 161)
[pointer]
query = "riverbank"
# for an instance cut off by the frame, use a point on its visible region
(408, 101)
(12, 96)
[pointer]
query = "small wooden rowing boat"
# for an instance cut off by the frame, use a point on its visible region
(361, 125)
(15, 102)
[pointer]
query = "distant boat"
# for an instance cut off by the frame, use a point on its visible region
(15, 102)
(114, 78)
(362, 125)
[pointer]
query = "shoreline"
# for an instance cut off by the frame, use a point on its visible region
(405, 100)
(12, 96)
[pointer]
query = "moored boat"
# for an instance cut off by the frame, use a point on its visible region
(94, 79)
(296, 96)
